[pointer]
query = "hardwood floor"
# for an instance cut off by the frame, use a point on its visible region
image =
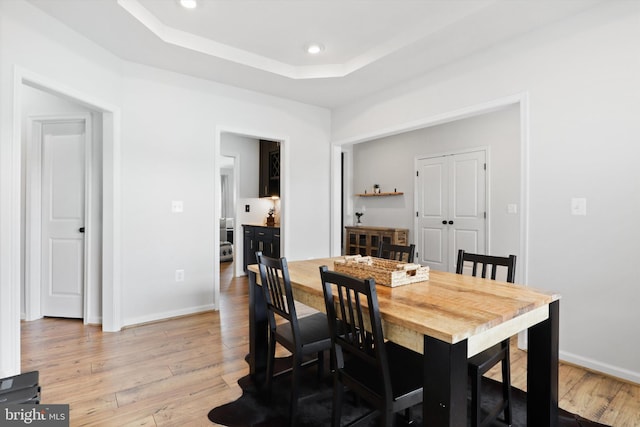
(172, 373)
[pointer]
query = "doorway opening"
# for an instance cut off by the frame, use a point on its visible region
(41, 98)
(242, 202)
(513, 207)
(228, 194)
(62, 232)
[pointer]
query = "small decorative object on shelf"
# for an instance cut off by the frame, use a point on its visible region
(376, 188)
(359, 214)
(271, 221)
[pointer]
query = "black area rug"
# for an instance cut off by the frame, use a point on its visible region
(253, 409)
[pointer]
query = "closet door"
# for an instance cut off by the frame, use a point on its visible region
(450, 200)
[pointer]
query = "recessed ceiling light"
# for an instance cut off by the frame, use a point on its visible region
(314, 48)
(189, 4)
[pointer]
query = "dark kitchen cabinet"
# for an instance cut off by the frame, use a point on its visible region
(269, 173)
(260, 238)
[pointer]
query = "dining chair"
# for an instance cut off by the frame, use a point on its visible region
(396, 252)
(482, 362)
(303, 337)
(386, 375)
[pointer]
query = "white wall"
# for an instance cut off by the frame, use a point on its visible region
(583, 80)
(167, 146)
(390, 162)
(246, 150)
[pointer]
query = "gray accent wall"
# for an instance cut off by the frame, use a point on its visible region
(390, 162)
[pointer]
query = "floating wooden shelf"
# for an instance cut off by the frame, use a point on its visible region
(394, 193)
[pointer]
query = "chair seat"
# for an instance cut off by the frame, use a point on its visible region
(405, 368)
(314, 333)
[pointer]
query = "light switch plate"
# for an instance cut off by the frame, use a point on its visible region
(177, 206)
(578, 206)
(512, 208)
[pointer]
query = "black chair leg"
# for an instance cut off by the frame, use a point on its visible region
(338, 395)
(387, 417)
(506, 387)
(408, 415)
(271, 361)
(476, 381)
(295, 389)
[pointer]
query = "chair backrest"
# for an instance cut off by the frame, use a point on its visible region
(276, 285)
(355, 325)
(487, 262)
(396, 252)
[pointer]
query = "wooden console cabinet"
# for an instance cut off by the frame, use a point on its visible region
(364, 240)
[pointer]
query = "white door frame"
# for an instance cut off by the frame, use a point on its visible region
(521, 99)
(487, 194)
(33, 220)
(111, 190)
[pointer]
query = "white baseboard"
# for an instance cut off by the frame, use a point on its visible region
(596, 365)
(167, 315)
(587, 363)
(96, 320)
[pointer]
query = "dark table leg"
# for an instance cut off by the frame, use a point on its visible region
(258, 331)
(445, 383)
(542, 371)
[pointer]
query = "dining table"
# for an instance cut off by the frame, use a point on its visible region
(447, 318)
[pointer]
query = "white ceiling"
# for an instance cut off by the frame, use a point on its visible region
(369, 45)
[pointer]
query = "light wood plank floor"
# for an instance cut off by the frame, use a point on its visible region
(172, 373)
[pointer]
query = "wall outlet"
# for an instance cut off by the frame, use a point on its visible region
(177, 206)
(179, 275)
(247, 208)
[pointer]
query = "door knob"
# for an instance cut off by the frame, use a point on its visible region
(81, 229)
(444, 222)
(450, 222)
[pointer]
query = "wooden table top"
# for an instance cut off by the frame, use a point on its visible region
(450, 307)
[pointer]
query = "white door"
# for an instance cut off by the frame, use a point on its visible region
(451, 214)
(63, 215)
